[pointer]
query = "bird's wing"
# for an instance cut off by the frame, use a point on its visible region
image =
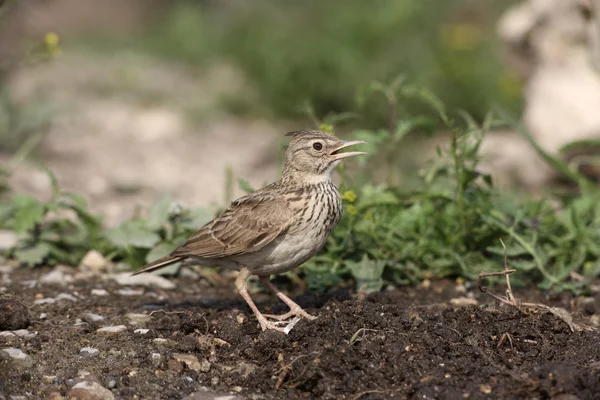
(248, 225)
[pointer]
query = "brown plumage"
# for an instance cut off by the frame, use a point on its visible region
(276, 228)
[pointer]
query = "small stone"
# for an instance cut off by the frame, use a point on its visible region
(138, 318)
(94, 261)
(16, 358)
(56, 277)
(192, 362)
(147, 280)
(112, 329)
(156, 359)
(463, 302)
(164, 342)
(46, 300)
(130, 292)
(206, 394)
(6, 269)
(99, 292)
(7, 334)
(66, 296)
(13, 314)
(8, 239)
(141, 331)
(55, 396)
(43, 315)
(91, 317)
(49, 378)
(24, 333)
(89, 391)
(89, 352)
(17, 397)
(426, 284)
(111, 383)
(485, 388)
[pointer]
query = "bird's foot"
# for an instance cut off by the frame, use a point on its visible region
(294, 312)
(280, 326)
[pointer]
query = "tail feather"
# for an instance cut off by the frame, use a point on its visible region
(160, 263)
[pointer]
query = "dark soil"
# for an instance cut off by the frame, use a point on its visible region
(406, 343)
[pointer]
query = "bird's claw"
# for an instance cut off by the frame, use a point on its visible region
(280, 326)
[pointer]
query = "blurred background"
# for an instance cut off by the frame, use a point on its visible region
(129, 100)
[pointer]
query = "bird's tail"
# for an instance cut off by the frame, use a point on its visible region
(160, 263)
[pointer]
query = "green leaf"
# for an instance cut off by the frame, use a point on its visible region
(159, 213)
(33, 255)
(245, 186)
(159, 251)
(133, 233)
(367, 273)
(28, 213)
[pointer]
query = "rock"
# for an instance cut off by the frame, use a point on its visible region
(24, 333)
(192, 362)
(94, 262)
(147, 280)
(16, 358)
(46, 300)
(112, 329)
(56, 277)
(49, 378)
(66, 296)
(164, 342)
(138, 318)
(156, 359)
(6, 269)
(89, 352)
(91, 317)
(89, 391)
(55, 396)
(8, 239)
(206, 394)
(7, 334)
(141, 331)
(463, 302)
(99, 292)
(130, 292)
(13, 314)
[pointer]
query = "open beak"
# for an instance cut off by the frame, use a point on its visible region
(336, 155)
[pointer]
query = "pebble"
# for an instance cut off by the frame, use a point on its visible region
(141, 331)
(16, 358)
(463, 302)
(192, 362)
(99, 292)
(66, 296)
(164, 342)
(147, 280)
(46, 300)
(55, 396)
(206, 394)
(7, 334)
(91, 317)
(17, 397)
(56, 277)
(130, 292)
(138, 318)
(49, 378)
(112, 329)
(6, 269)
(89, 352)
(94, 261)
(30, 283)
(89, 391)
(156, 359)
(24, 333)
(8, 239)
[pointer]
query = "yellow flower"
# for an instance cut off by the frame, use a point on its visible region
(327, 128)
(351, 210)
(349, 196)
(52, 42)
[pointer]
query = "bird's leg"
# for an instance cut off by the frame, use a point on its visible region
(295, 309)
(240, 284)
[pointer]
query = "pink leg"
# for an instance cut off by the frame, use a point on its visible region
(295, 309)
(240, 284)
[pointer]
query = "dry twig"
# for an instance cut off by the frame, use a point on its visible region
(509, 299)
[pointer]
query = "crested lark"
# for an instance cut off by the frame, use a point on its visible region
(276, 228)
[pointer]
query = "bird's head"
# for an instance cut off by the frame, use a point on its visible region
(315, 154)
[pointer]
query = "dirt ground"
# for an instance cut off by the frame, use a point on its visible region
(202, 340)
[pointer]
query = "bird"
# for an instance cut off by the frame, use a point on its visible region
(277, 228)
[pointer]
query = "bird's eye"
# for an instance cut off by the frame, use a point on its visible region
(317, 146)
